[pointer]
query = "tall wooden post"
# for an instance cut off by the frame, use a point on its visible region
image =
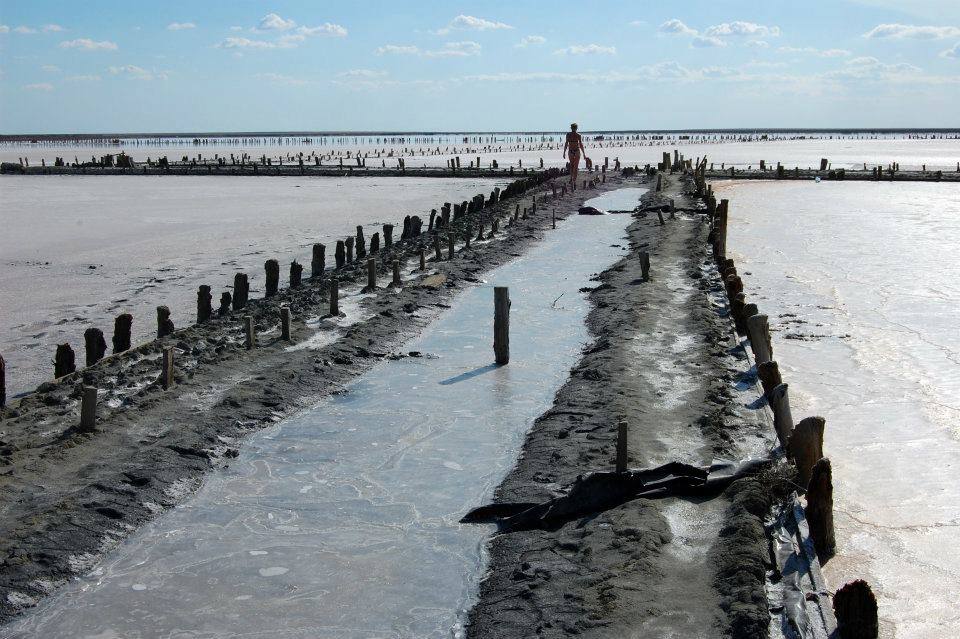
(645, 266)
(501, 324)
(621, 447)
(166, 368)
(805, 446)
(819, 510)
(204, 304)
(758, 329)
(64, 362)
(779, 399)
(334, 297)
(318, 261)
(296, 274)
(122, 327)
(88, 409)
(164, 323)
(285, 323)
(272, 269)
(396, 273)
(95, 345)
(250, 335)
(3, 382)
(371, 274)
(855, 607)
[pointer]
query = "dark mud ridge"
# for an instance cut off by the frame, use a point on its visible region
(659, 551)
(67, 496)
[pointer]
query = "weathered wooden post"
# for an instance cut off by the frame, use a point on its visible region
(466, 243)
(819, 510)
(318, 261)
(225, 300)
(164, 323)
(166, 368)
(3, 382)
(95, 345)
(371, 275)
(64, 361)
(296, 274)
(423, 259)
(621, 447)
(334, 297)
(450, 246)
(285, 323)
(769, 374)
(241, 290)
(361, 244)
(349, 243)
(660, 217)
(805, 446)
(272, 269)
(88, 409)
(645, 266)
(553, 218)
(758, 330)
(122, 327)
(855, 607)
(659, 182)
(387, 235)
(375, 243)
(250, 336)
(396, 274)
(501, 324)
(204, 304)
(720, 246)
(779, 399)
(340, 254)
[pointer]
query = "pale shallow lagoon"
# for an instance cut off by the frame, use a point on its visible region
(862, 285)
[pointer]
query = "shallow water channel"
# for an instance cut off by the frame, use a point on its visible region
(343, 521)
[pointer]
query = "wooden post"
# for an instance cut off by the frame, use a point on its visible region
(250, 336)
(122, 326)
(340, 254)
(466, 243)
(88, 409)
(721, 237)
(225, 300)
(371, 275)
(423, 260)
(660, 216)
(64, 361)
(450, 246)
(553, 218)
(318, 262)
(360, 244)
(436, 248)
(759, 332)
(659, 182)
(387, 235)
(166, 368)
(95, 345)
(805, 446)
(272, 268)
(349, 243)
(819, 510)
(645, 266)
(241, 290)
(396, 273)
(334, 297)
(164, 323)
(3, 382)
(769, 374)
(501, 324)
(782, 418)
(621, 447)
(855, 607)
(296, 274)
(204, 304)
(285, 323)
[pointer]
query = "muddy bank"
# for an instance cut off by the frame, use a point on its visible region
(665, 359)
(68, 495)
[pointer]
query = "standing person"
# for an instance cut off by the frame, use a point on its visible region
(575, 145)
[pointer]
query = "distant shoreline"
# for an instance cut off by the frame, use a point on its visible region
(47, 137)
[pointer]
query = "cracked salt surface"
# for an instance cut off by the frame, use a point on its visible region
(376, 548)
(875, 262)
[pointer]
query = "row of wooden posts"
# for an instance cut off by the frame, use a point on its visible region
(854, 604)
(450, 213)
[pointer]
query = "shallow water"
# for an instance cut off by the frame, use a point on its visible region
(862, 285)
(153, 241)
(343, 521)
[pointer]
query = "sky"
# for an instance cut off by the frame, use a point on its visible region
(100, 66)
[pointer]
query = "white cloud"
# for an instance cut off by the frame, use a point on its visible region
(868, 68)
(135, 73)
(454, 50)
(526, 41)
(394, 49)
(4, 28)
(236, 28)
(52, 28)
(760, 44)
(246, 43)
(677, 27)
(953, 52)
(638, 23)
(325, 29)
(276, 78)
(273, 22)
(362, 73)
(39, 86)
(702, 42)
(180, 26)
(912, 32)
(813, 51)
(86, 44)
(51, 68)
(740, 28)
(84, 78)
(586, 49)
(25, 30)
(477, 24)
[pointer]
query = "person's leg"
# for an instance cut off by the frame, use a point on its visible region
(574, 167)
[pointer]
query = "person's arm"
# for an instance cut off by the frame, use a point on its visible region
(566, 143)
(580, 142)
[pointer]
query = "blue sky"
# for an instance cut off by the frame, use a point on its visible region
(245, 65)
